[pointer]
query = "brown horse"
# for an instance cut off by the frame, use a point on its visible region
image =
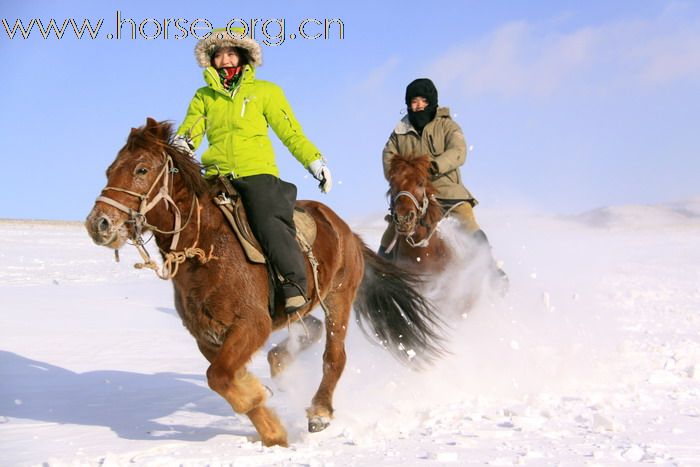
(415, 214)
(223, 299)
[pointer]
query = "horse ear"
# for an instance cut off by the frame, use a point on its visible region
(156, 128)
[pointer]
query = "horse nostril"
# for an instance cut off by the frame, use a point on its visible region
(103, 224)
(411, 215)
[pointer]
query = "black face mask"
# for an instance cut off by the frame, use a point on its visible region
(421, 118)
(422, 87)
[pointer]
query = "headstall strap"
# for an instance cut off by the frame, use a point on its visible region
(173, 258)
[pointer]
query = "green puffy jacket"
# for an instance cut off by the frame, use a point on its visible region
(235, 123)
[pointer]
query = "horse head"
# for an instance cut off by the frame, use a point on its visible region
(143, 184)
(412, 194)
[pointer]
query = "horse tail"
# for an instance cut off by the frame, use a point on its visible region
(399, 317)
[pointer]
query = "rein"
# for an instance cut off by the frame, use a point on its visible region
(172, 259)
(424, 243)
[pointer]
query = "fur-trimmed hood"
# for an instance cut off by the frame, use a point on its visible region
(221, 38)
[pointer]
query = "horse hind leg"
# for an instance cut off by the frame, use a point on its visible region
(301, 336)
(321, 411)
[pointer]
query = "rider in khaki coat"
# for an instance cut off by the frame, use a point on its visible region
(429, 129)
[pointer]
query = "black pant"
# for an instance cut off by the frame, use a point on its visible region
(269, 204)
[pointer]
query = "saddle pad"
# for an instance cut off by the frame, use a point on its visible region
(235, 214)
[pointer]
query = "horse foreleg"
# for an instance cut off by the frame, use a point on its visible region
(321, 410)
(301, 336)
(251, 402)
(228, 376)
(207, 351)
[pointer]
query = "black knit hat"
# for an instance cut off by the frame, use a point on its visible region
(422, 87)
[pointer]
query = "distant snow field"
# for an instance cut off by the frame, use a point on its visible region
(592, 358)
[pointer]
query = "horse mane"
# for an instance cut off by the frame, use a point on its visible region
(158, 137)
(406, 173)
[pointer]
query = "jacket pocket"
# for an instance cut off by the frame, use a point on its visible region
(436, 145)
(288, 120)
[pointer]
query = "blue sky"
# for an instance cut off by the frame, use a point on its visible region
(568, 105)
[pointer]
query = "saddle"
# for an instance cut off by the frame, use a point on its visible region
(231, 205)
(229, 201)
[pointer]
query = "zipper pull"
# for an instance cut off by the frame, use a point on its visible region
(245, 101)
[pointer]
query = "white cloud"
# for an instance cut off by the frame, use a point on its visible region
(672, 58)
(378, 76)
(524, 59)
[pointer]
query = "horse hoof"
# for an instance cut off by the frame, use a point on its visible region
(317, 424)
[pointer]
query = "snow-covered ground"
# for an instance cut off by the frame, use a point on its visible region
(593, 358)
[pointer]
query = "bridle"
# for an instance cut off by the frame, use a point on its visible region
(173, 258)
(421, 208)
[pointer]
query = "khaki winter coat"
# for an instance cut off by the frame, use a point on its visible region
(443, 141)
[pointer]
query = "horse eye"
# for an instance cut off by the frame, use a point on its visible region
(142, 171)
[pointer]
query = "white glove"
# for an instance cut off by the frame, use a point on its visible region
(326, 180)
(322, 173)
(182, 143)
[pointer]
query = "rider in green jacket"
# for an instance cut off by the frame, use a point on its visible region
(234, 111)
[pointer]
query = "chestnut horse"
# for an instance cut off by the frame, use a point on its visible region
(223, 299)
(415, 214)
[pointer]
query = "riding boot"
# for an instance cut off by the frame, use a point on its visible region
(498, 279)
(294, 298)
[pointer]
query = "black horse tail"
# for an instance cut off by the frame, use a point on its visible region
(400, 318)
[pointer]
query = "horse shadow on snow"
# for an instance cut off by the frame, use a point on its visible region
(127, 403)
